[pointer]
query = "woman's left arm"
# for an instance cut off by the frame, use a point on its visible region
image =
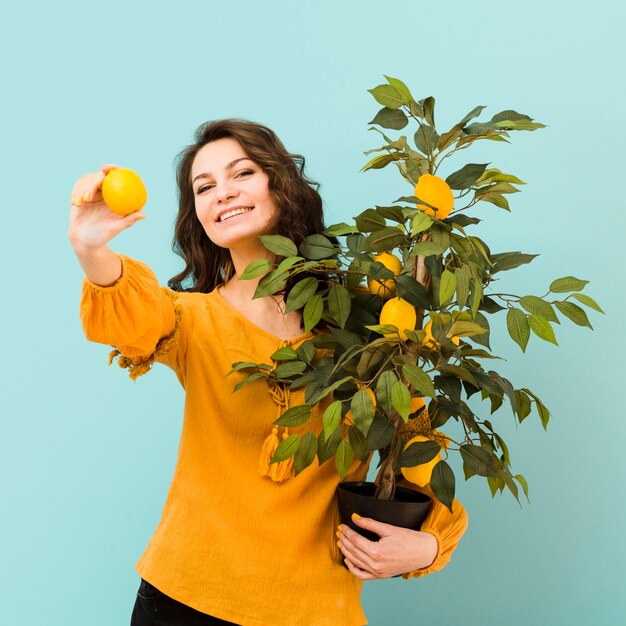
(412, 553)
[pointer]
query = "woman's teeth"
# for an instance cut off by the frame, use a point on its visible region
(225, 216)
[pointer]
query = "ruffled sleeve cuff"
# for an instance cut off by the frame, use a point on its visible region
(447, 528)
(135, 315)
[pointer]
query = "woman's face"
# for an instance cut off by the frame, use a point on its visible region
(224, 179)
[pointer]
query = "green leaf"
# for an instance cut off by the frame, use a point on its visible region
(518, 327)
(369, 221)
(466, 176)
(390, 118)
(290, 368)
(358, 442)
(242, 365)
(317, 247)
(282, 246)
(391, 213)
(401, 400)
(493, 198)
(479, 460)
(428, 104)
(294, 416)
(417, 453)
(541, 327)
(331, 418)
(419, 379)
(380, 433)
(286, 449)
(378, 162)
(523, 405)
(384, 385)
(426, 139)
(537, 306)
(475, 112)
(568, 283)
(443, 484)
(388, 96)
(384, 239)
(426, 248)
(402, 89)
(284, 354)
(343, 458)
(421, 222)
(255, 269)
(250, 379)
(336, 230)
(462, 285)
(482, 338)
(522, 481)
(510, 260)
(465, 329)
(301, 293)
(574, 312)
(588, 300)
(447, 287)
(270, 284)
(363, 410)
(305, 453)
(306, 351)
(327, 446)
(412, 291)
(339, 304)
(312, 312)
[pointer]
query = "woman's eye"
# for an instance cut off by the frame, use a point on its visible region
(244, 172)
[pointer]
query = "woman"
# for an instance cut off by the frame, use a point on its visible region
(238, 542)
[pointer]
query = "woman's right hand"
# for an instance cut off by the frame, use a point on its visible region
(92, 223)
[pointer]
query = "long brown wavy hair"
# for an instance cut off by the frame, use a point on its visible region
(299, 205)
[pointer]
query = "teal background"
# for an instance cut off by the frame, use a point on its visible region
(87, 455)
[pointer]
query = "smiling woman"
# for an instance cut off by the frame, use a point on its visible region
(239, 541)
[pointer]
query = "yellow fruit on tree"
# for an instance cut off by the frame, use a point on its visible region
(400, 313)
(123, 191)
(429, 340)
(387, 288)
(420, 474)
(437, 193)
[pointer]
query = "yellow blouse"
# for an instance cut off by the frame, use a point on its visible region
(233, 543)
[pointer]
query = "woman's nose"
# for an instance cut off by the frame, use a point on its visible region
(224, 192)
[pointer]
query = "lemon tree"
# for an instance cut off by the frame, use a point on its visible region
(402, 356)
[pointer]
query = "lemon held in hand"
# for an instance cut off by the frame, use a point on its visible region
(123, 191)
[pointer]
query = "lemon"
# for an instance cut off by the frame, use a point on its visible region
(429, 340)
(123, 191)
(387, 288)
(437, 193)
(400, 313)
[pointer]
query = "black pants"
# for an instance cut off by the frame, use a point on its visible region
(154, 608)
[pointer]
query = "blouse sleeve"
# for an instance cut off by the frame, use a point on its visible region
(447, 527)
(135, 315)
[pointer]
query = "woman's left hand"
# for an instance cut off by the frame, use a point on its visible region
(399, 550)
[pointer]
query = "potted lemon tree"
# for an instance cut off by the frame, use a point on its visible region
(405, 297)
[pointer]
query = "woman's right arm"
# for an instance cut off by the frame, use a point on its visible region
(93, 225)
(122, 303)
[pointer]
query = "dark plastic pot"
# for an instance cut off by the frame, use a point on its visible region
(408, 509)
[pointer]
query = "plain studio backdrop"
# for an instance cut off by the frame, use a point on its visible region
(87, 455)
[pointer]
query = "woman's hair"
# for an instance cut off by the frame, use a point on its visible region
(299, 205)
